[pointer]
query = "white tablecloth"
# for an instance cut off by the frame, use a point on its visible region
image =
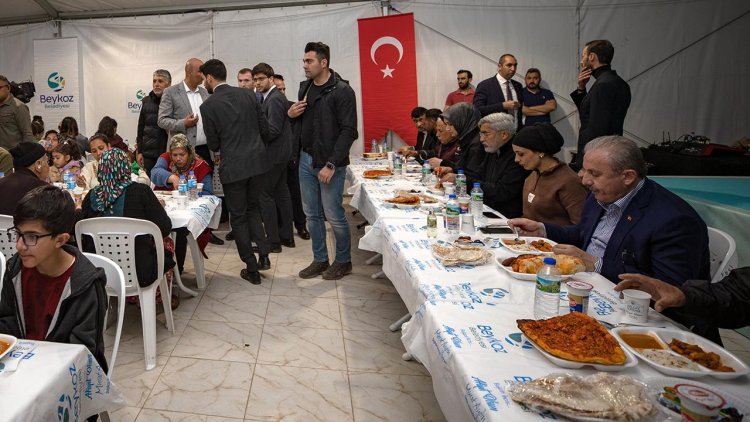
(55, 382)
(201, 213)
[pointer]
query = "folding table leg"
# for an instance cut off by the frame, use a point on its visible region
(377, 275)
(397, 325)
(373, 259)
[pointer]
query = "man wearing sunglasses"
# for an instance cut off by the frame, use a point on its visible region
(15, 121)
(51, 291)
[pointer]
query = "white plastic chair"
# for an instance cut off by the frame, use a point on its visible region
(723, 253)
(115, 287)
(7, 247)
(114, 237)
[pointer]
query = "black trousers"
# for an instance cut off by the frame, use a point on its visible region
(275, 198)
(241, 199)
(205, 154)
(148, 164)
(292, 182)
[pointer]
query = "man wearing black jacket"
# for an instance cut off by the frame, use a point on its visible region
(236, 126)
(325, 120)
(602, 109)
(151, 139)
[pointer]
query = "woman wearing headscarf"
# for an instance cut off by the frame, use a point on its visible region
(118, 196)
(461, 122)
(552, 193)
(180, 160)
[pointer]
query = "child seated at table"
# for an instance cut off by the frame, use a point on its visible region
(66, 156)
(51, 291)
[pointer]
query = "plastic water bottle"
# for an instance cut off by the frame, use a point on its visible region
(182, 187)
(374, 145)
(460, 183)
(385, 146)
(398, 167)
(452, 215)
(463, 202)
(426, 170)
(431, 225)
(70, 180)
(547, 295)
(477, 201)
(192, 183)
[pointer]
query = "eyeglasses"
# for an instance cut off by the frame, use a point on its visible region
(29, 239)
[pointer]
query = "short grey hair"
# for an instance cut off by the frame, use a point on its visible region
(4, 79)
(500, 122)
(622, 153)
(164, 74)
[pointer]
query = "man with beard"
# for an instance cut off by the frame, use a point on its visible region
(236, 125)
(603, 108)
(500, 93)
(500, 177)
(538, 102)
(151, 140)
(465, 91)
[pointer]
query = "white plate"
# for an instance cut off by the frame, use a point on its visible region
(527, 248)
(405, 206)
(437, 192)
(521, 276)
(10, 340)
(667, 334)
(656, 386)
(630, 360)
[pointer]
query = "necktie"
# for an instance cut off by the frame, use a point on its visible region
(261, 98)
(509, 96)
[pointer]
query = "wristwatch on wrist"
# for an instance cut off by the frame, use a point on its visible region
(330, 166)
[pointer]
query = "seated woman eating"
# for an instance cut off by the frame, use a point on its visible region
(98, 144)
(180, 161)
(117, 196)
(552, 193)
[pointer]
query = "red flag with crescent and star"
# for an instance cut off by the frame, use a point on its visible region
(388, 69)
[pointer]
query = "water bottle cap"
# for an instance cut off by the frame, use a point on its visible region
(182, 176)
(549, 261)
(452, 196)
(476, 184)
(460, 172)
(192, 173)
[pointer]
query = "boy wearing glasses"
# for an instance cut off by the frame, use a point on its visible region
(50, 291)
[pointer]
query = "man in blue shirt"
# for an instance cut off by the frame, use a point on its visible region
(538, 102)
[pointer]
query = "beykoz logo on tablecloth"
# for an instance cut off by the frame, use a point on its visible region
(388, 70)
(517, 339)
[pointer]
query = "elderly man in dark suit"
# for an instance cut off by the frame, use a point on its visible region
(236, 126)
(500, 93)
(602, 109)
(275, 195)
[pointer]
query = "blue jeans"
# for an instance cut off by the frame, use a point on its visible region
(324, 201)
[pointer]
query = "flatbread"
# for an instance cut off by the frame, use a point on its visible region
(576, 337)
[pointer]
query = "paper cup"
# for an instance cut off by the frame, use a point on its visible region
(200, 187)
(175, 194)
(467, 223)
(636, 306)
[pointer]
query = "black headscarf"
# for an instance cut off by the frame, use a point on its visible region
(542, 137)
(464, 117)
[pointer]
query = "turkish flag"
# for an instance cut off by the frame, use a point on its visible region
(388, 69)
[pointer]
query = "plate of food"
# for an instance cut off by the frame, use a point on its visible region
(596, 397)
(666, 391)
(459, 253)
(681, 353)
(372, 156)
(7, 343)
(404, 201)
(528, 244)
(525, 267)
(377, 174)
(576, 340)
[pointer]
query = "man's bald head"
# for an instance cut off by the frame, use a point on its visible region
(193, 76)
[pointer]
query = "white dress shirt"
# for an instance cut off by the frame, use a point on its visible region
(504, 83)
(195, 99)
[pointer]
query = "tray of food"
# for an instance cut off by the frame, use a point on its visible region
(681, 353)
(528, 244)
(525, 267)
(670, 393)
(576, 340)
(377, 174)
(404, 201)
(597, 397)
(372, 156)
(7, 343)
(460, 253)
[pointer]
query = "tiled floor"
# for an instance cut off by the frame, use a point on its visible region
(287, 350)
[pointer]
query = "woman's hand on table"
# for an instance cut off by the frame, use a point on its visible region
(174, 180)
(588, 260)
(81, 181)
(162, 202)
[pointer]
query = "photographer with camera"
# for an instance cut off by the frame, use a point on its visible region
(15, 121)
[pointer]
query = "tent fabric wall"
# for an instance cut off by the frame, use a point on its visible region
(698, 89)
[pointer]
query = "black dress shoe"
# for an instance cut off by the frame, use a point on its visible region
(303, 233)
(251, 276)
(230, 236)
(275, 248)
(264, 263)
(288, 243)
(215, 240)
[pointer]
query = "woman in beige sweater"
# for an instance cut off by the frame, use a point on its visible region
(88, 178)
(552, 193)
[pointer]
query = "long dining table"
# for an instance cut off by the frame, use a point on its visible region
(462, 324)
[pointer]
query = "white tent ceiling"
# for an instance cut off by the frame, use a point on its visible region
(31, 11)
